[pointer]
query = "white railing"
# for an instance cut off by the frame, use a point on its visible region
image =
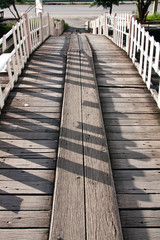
(20, 42)
(144, 51)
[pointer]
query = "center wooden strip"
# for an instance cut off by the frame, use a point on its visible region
(68, 221)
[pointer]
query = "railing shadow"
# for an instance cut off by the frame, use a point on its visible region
(29, 126)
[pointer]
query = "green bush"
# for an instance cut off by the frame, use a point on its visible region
(154, 17)
(4, 28)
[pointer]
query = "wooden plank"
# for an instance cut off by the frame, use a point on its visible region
(131, 163)
(137, 181)
(26, 175)
(25, 234)
(28, 163)
(17, 126)
(24, 219)
(28, 144)
(117, 115)
(28, 135)
(136, 201)
(68, 216)
(26, 115)
(143, 218)
(30, 109)
(139, 109)
(28, 153)
(128, 100)
(102, 216)
(36, 103)
(37, 186)
(133, 144)
(132, 129)
(130, 175)
(133, 136)
(141, 233)
(149, 105)
(131, 122)
(25, 203)
(136, 153)
(105, 91)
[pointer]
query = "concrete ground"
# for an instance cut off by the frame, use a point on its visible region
(75, 15)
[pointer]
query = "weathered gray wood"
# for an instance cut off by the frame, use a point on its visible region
(31, 163)
(25, 203)
(29, 144)
(143, 218)
(139, 109)
(25, 234)
(117, 115)
(68, 216)
(134, 144)
(134, 201)
(137, 163)
(132, 129)
(134, 136)
(26, 153)
(102, 216)
(141, 233)
(29, 130)
(26, 187)
(28, 135)
(135, 154)
(132, 122)
(24, 219)
(39, 109)
(26, 115)
(26, 175)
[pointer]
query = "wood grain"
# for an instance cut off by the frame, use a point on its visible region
(132, 122)
(68, 216)
(102, 216)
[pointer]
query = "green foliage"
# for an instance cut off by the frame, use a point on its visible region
(8, 4)
(142, 6)
(65, 26)
(105, 3)
(154, 17)
(5, 28)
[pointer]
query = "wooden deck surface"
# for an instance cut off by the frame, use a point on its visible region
(84, 204)
(29, 131)
(84, 195)
(132, 123)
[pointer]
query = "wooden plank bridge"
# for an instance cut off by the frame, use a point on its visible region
(60, 169)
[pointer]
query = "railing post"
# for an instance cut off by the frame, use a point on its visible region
(27, 28)
(158, 101)
(52, 27)
(94, 27)
(114, 26)
(130, 34)
(150, 62)
(104, 29)
(41, 26)
(49, 26)
(4, 44)
(1, 98)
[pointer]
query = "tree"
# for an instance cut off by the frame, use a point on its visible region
(143, 6)
(105, 3)
(8, 4)
(155, 6)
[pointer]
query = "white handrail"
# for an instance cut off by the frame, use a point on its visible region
(143, 50)
(25, 37)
